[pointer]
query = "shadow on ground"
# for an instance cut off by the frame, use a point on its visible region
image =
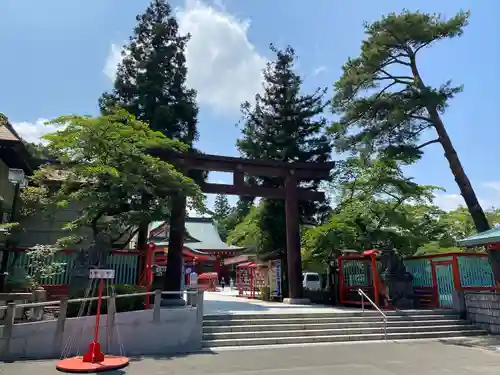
(491, 343)
(203, 352)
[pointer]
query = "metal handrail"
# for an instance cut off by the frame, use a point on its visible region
(384, 317)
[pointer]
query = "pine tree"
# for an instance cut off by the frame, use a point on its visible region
(284, 124)
(151, 84)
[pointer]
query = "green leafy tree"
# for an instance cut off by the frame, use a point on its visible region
(249, 232)
(151, 84)
(384, 103)
(104, 169)
(375, 203)
(286, 125)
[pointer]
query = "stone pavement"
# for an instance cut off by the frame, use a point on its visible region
(228, 302)
(395, 358)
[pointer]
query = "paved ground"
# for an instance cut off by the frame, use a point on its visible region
(228, 302)
(408, 358)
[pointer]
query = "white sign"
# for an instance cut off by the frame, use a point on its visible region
(193, 279)
(101, 274)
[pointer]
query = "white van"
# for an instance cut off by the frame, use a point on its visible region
(311, 281)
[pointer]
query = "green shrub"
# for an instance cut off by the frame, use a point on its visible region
(122, 304)
(265, 293)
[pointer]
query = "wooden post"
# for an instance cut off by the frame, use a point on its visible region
(61, 321)
(292, 239)
(157, 306)
(39, 295)
(110, 324)
(172, 278)
(7, 330)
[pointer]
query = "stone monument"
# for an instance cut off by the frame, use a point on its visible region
(95, 256)
(397, 281)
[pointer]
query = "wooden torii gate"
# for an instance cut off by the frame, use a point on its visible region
(292, 174)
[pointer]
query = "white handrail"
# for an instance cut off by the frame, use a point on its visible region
(363, 296)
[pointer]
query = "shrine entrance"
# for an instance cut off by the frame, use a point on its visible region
(291, 173)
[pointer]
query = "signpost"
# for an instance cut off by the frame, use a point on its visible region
(94, 359)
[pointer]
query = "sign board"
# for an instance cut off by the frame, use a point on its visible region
(275, 278)
(193, 279)
(101, 274)
(159, 270)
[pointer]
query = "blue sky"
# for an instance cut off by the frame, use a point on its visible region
(58, 56)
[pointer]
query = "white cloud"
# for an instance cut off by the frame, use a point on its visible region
(223, 66)
(448, 202)
(33, 131)
(494, 185)
(319, 70)
(487, 198)
(112, 60)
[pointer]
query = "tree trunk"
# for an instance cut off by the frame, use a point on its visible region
(463, 182)
(475, 209)
(172, 280)
(142, 239)
(461, 178)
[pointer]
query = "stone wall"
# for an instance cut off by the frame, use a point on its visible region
(483, 309)
(139, 333)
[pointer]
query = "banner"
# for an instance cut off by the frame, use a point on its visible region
(275, 278)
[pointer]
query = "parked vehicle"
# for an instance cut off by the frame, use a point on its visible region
(311, 281)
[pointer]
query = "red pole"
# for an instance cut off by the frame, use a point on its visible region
(94, 354)
(376, 290)
(341, 280)
(98, 314)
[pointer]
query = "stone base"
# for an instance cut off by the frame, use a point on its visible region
(297, 301)
(172, 302)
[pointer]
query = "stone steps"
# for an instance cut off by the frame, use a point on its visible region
(326, 314)
(236, 320)
(321, 326)
(297, 328)
(339, 338)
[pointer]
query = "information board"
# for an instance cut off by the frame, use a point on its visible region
(275, 278)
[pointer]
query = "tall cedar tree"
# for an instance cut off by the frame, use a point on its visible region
(151, 84)
(285, 125)
(385, 105)
(222, 208)
(223, 215)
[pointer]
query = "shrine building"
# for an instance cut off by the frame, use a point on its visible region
(204, 251)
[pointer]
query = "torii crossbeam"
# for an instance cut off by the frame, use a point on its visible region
(292, 174)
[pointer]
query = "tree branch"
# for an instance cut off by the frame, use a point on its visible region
(422, 46)
(437, 140)
(397, 78)
(422, 118)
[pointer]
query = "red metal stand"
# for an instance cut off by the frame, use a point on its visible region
(94, 359)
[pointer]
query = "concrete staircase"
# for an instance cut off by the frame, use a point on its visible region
(302, 328)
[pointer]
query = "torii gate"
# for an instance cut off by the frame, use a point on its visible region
(292, 173)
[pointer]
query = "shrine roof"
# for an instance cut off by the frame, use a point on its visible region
(201, 234)
(484, 238)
